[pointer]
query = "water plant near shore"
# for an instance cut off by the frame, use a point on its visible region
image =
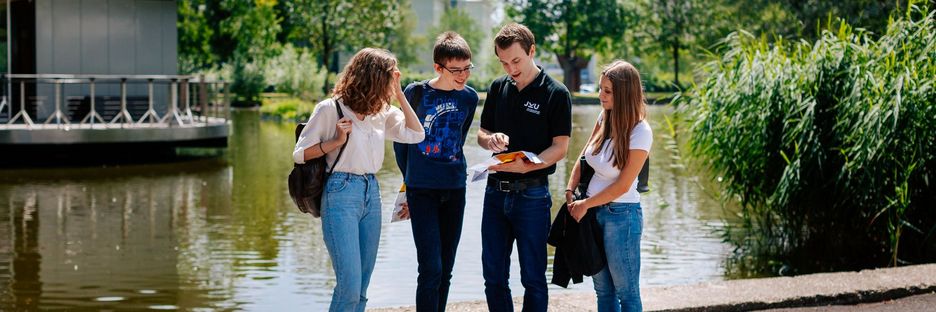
(827, 147)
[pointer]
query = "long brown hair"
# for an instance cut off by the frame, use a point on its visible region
(364, 84)
(627, 109)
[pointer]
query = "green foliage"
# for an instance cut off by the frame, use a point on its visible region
(255, 26)
(674, 25)
(247, 82)
(194, 37)
(475, 82)
(287, 108)
(803, 19)
(401, 40)
(409, 76)
(572, 30)
(296, 73)
(654, 83)
(828, 147)
(330, 26)
(457, 20)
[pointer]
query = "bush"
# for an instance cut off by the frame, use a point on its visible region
(653, 83)
(287, 108)
(296, 73)
(247, 82)
(411, 76)
(828, 148)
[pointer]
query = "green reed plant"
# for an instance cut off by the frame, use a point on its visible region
(827, 147)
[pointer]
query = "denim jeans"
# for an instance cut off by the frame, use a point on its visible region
(351, 228)
(436, 216)
(522, 216)
(618, 285)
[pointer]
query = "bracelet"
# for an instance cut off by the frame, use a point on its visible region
(568, 190)
(322, 149)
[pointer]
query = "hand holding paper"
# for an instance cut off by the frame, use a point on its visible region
(400, 209)
(507, 162)
(521, 166)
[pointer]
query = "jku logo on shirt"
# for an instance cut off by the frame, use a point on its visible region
(532, 107)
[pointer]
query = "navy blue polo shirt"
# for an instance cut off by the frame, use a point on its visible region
(531, 117)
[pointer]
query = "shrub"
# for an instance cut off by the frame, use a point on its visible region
(296, 73)
(827, 147)
(247, 82)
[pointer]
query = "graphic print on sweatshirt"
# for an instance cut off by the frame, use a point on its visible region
(443, 124)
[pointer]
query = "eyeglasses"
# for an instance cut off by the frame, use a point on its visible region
(458, 71)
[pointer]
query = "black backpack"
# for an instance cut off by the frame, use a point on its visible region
(307, 181)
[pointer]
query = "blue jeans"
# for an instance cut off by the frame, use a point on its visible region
(351, 228)
(618, 285)
(522, 216)
(436, 216)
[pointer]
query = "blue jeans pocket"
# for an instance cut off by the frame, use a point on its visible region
(336, 185)
(627, 214)
(535, 193)
(623, 208)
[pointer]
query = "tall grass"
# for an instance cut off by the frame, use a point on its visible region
(827, 147)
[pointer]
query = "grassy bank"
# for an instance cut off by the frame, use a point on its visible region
(281, 106)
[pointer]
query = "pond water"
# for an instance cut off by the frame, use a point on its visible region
(221, 232)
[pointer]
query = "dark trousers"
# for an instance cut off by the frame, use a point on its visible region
(436, 216)
(522, 216)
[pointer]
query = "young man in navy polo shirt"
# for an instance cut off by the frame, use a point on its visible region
(526, 110)
(435, 171)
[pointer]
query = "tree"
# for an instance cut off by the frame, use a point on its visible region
(812, 15)
(195, 35)
(332, 26)
(457, 20)
(572, 30)
(401, 41)
(673, 25)
(254, 27)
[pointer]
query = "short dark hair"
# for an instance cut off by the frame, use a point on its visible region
(514, 32)
(448, 46)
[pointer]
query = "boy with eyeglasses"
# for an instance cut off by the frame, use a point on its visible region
(435, 171)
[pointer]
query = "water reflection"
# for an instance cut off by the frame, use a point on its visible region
(221, 233)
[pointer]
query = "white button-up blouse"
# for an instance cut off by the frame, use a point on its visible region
(364, 152)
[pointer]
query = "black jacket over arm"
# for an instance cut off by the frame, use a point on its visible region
(579, 247)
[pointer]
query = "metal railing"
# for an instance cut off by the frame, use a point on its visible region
(191, 100)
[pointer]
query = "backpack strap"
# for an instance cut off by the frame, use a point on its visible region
(340, 115)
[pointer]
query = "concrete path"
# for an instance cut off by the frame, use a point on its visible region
(921, 303)
(756, 294)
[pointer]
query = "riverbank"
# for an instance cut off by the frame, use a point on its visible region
(754, 294)
(280, 106)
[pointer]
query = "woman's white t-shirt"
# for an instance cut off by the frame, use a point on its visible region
(605, 173)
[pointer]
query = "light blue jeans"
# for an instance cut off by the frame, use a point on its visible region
(618, 284)
(351, 228)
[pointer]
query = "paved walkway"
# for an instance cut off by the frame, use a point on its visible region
(754, 294)
(907, 304)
